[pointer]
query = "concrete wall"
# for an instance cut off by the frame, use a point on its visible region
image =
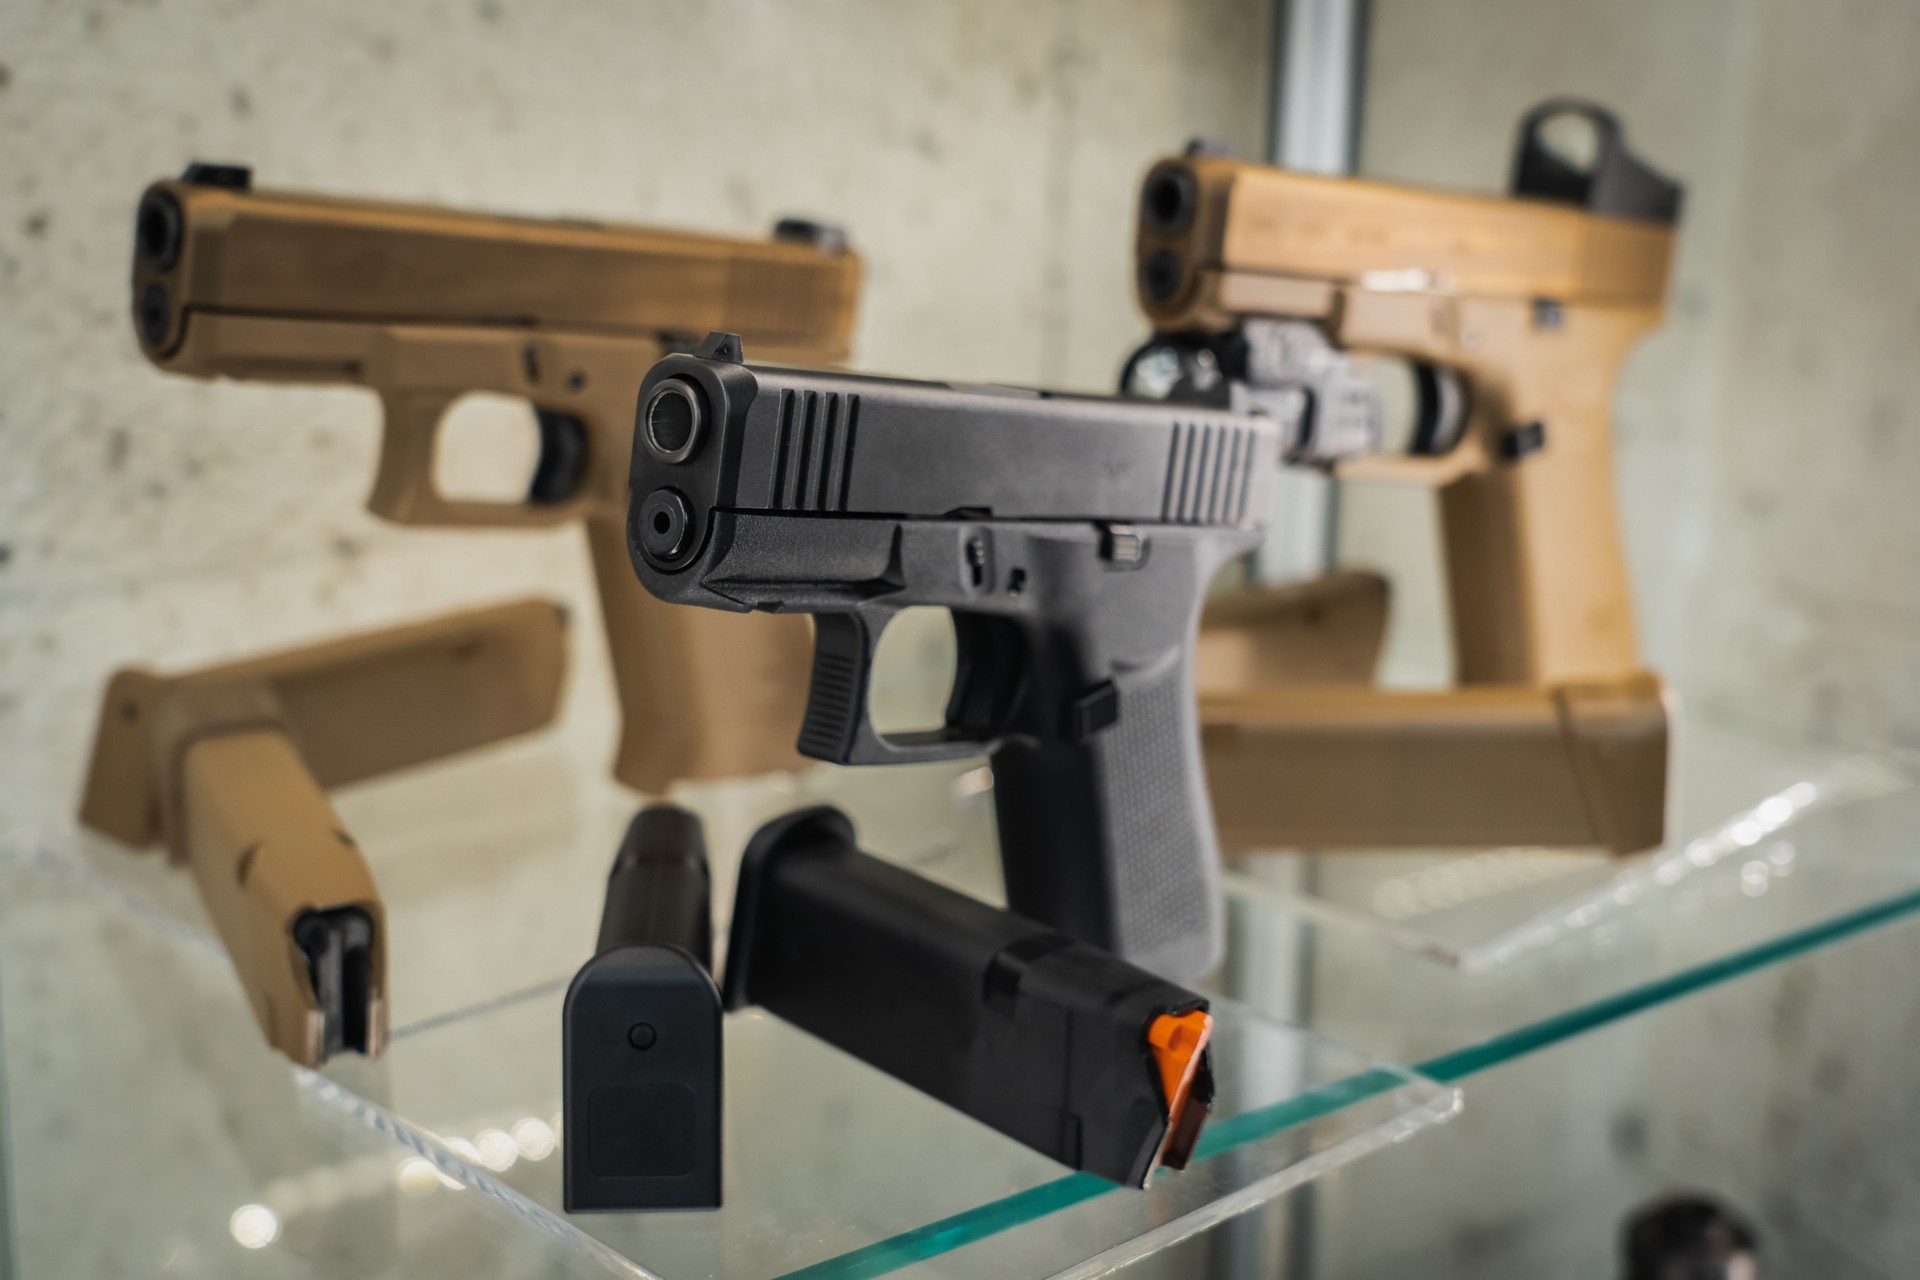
(982, 155)
(1767, 436)
(1805, 613)
(1767, 445)
(1500, 1191)
(1446, 83)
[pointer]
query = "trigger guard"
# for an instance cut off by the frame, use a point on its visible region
(837, 727)
(987, 680)
(562, 467)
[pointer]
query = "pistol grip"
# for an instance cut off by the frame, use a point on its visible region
(1573, 765)
(404, 489)
(1110, 838)
(228, 766)
(703, 693)
(282, 879)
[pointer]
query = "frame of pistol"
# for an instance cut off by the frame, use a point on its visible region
(424, 305)
(1277, 291)
(228, 767)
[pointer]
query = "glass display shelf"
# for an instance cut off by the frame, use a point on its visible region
(831, 1168)
(1786, 1095)
(1833, 872)
(147, 1126)
(1480, 909)
(139, 1094)
(829, 1165)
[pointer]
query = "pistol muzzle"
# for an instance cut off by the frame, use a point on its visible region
(158, 230)
(673, 426)
(674, 420)
(1168, 200)
(159, 234)
(684, 403)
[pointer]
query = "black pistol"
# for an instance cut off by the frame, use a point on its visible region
(640, 1033)
(1072, 538)
(1075, 1053)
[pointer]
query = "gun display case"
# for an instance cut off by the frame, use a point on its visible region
(439, 1158)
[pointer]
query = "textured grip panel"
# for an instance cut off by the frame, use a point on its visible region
(1111, 839)
(1165, 882)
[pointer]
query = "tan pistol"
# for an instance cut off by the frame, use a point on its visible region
(1467, 343)
(228, 768)
(425, 305)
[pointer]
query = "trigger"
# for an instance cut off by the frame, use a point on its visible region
(843, 645)
(563, 458)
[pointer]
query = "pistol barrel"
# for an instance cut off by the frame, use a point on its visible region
(229, 766)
